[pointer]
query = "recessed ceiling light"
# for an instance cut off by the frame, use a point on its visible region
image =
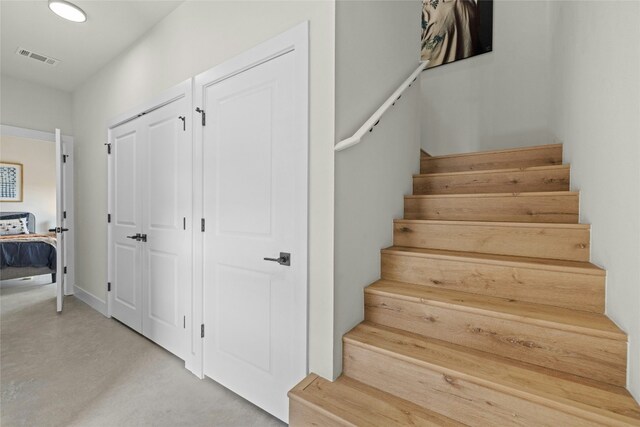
(67, 10)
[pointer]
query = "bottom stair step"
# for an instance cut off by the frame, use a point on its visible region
(347, 402)
(478, 388)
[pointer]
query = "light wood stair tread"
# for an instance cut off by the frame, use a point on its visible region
(587, 323)
(492, 195)
(552, 388)
(350, 402)
(492, 171)
(515, 261)
(496, 223)
(510, 158)
(503, 151)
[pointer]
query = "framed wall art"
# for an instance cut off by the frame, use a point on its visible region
(455, 29)
(11, 183)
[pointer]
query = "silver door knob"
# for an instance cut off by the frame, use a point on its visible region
(284, 259)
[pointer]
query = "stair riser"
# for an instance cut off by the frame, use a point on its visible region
(451, 395)
(553, 209)
(561, 289)
(301, 415)
(543, 156)
(568, 351)
(533, 241)
(516, 181)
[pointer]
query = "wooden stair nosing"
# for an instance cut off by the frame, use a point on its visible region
(492, 171)
(502, 151)
(493, 195)
(581, 397)
(582, 322)
(495, 223)
(362, 401)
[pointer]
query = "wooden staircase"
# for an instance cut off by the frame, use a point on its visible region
(488, 312)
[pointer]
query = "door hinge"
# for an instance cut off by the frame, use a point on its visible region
(64, 214)
(109, 218)
(184, 122)
(64, 158)
(204, 115)
(184, 322)
(108, 286)
(184, 223)
(65, 270)
(202, 331)
(108, 144)
(202, 225)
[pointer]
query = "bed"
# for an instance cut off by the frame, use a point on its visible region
(23, 252)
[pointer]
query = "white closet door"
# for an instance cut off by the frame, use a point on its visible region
(255, 205)
(151, 190)
(166, 202)
(126, 222)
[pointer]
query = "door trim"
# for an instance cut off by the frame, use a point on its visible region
(177, 92)
(294, 41)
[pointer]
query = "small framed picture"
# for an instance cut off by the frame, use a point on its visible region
(10, 182)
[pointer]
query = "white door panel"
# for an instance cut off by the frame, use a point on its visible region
(126, 221)
(167, 204)
(253, 202)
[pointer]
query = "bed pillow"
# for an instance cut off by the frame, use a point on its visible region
(9, 227)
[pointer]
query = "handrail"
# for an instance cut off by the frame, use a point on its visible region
(375, 117)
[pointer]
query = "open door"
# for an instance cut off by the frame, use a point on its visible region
(60, 229)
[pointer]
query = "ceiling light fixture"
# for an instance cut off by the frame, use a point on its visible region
(67, 10)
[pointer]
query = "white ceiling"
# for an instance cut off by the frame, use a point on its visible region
(82, 48)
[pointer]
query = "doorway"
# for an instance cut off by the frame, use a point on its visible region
(37, 209)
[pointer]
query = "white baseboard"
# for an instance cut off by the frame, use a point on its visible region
(91, 300)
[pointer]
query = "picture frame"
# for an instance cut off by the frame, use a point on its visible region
(453, 30)
(11, 182)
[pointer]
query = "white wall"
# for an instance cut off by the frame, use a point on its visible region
(596, 114)
(192, 39)
(377, 48)
(33, 106)
(39, 178)
(496, 100)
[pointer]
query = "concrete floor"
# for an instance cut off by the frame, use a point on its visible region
(82, 369)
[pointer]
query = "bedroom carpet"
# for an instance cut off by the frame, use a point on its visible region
(82, 369)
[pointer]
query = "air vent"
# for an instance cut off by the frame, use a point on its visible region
(37, 56)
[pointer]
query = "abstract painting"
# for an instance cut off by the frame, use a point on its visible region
(10, 182)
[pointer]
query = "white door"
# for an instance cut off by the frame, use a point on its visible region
(166, 207)
(60, 229)
(126, 224)
(255, 207)
(151, 226)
